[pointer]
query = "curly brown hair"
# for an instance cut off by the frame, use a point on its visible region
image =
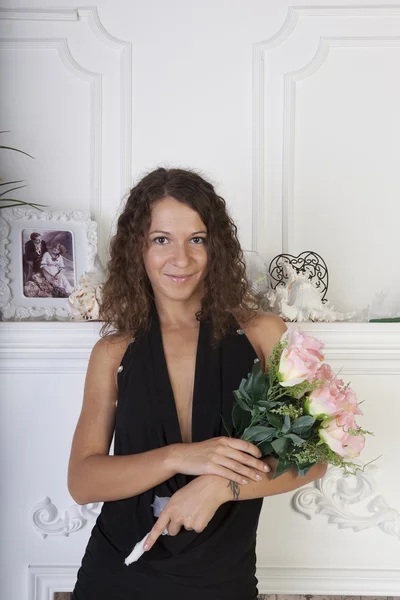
(127, 292)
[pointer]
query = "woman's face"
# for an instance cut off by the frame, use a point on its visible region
(175, 256)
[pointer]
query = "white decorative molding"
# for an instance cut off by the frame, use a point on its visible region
(125, 50)
(64, 347)
(337, 495)
(274, 116)
(289, 120)
(57, 347)
(45, 580)
(100, 93)
(328, 581)
(95, 82)
(48, 520)
(347, 11)
(38, 14)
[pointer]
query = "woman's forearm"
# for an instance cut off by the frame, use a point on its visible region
(101, 478)
(268, 486)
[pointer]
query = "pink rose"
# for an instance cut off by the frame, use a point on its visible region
(335, 434)
(350, 402)
(300, 359)
(344, 398)
(354, 445)
(324, 402)
(325, 373)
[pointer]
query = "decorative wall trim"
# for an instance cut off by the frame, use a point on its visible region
(340, 497)
(64, 347)
(95, 82)
(34, 347)
(38, 14)
(126, 76)
(124, 48)
(44, 580)
(328, 581)
(48, 520)
(289, 119)
(263, 135)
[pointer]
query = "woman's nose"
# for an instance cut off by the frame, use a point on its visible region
(180, 256)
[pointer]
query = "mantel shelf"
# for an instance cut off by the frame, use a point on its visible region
(27, 346)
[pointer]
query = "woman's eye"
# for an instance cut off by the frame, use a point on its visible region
(160, 240)
(199, 240)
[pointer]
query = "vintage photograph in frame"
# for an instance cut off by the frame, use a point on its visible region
(42, 256)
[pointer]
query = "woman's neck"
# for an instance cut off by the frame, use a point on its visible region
(175, 314)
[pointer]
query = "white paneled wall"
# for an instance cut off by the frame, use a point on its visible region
(292, 112)
(326, 129)
(68, 102)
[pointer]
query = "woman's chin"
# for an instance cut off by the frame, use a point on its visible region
(180, 292)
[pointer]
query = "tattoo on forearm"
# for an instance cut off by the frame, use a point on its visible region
(235, 487)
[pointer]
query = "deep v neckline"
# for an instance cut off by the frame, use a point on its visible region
(169, 404)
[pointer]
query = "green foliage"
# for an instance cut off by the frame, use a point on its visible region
(288, 409)
(8, 183)
(272, 417)
(302, 426)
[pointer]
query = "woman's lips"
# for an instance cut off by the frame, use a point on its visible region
(179, 278)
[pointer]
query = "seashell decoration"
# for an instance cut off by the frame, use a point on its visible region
(300, 300)
(84, 301)
(299, 296)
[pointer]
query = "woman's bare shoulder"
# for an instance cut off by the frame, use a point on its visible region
(112, 346)
(264, 330)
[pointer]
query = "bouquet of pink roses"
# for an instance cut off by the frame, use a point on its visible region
(298, 410)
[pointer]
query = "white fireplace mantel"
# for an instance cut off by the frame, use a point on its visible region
(42, 368)
(28, 346)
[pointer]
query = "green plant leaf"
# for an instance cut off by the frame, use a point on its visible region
(243, 390)
(250, 432)
(302, 426)
(16, 150)
(11, 182)
(19, 203)
(302, 471)
(265, 448)
(240, 419)
(259, 383)
(286, 424)
(283, 466)
(259, 433)
(12, 189)
(295, 438)
(241, 401)
(275, 420)
(281, 446)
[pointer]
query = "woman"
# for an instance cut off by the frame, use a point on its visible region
(187, 332)
(53, 267)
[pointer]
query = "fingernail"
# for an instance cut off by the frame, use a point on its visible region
(244, 481)
(146, 546)
(266, 468)
(258, 477)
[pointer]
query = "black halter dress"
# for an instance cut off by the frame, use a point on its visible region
(220, 562)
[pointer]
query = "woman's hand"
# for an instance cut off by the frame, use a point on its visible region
(191, 507)
(227, 457)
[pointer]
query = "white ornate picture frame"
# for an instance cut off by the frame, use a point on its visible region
(16, 223)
